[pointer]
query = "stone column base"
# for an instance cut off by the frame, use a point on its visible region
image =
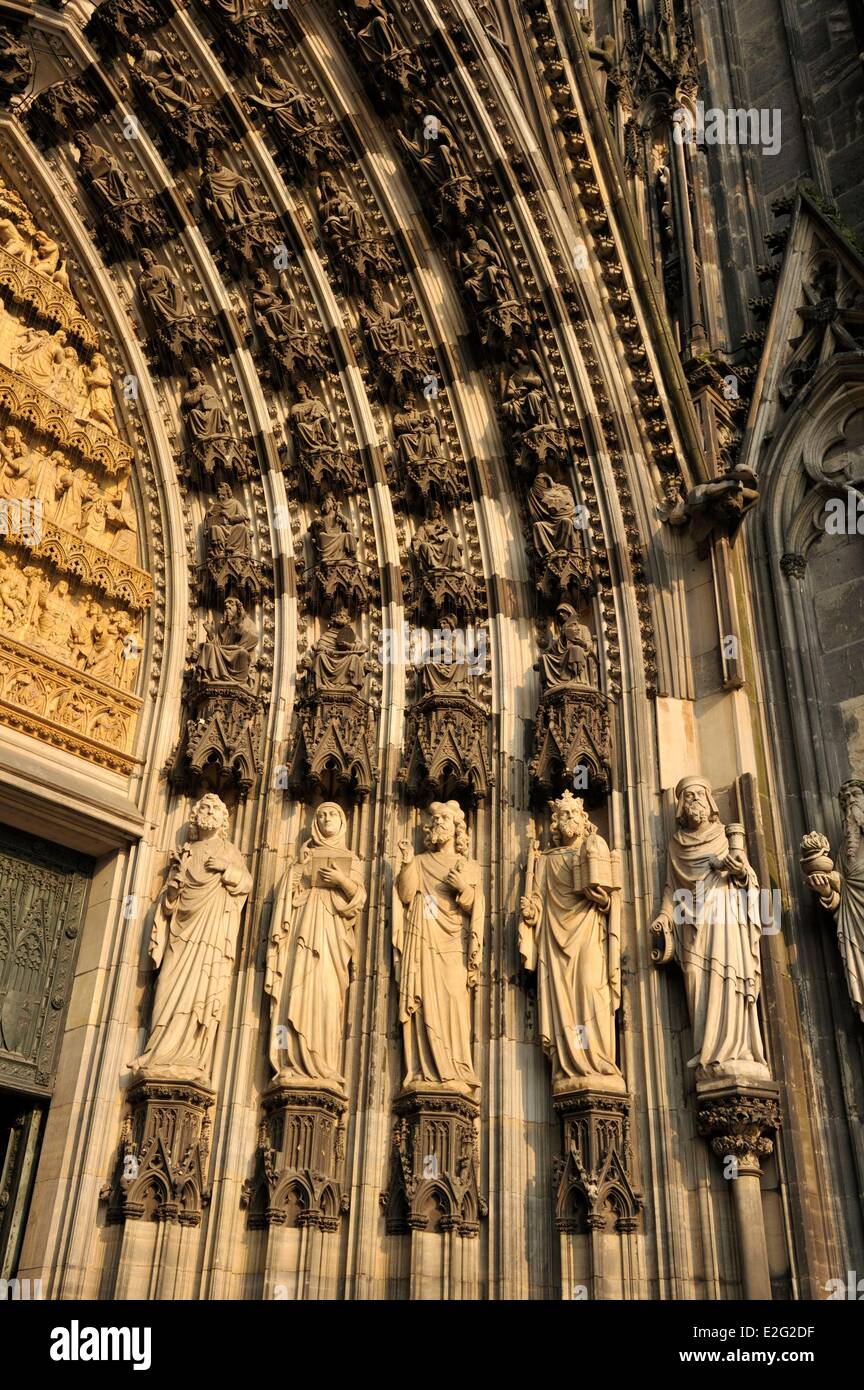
(162, 1164)
(594, 1188)
(433, 1177)
(300, 1151)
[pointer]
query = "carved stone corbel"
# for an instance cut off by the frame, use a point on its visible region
(301, 1145)
(434, 1165)
(162, 1164)
(593, 1184)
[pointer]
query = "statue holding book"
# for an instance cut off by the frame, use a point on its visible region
(569, 934)
(309, 952)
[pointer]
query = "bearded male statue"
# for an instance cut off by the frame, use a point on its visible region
(438, 912)
(569, 933)
(192, 944)
(709, 921)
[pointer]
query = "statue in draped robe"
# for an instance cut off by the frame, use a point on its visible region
(228, 654)
(709, 921)
(309, 953)
(338, 661)
(192, 945)
(570, 934)
(438, 914)
(841, 890)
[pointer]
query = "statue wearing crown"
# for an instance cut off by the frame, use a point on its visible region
(569, 934)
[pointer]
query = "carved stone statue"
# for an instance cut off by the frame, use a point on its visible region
(309, 952)
(381, 45)
(444, 582)
(438, 919)
(338, 660)
(229, 198)
(16, 64)
(131, 220)
(569, 934)
(178, 330)
(559, 542)
(294, 118)
(488, 285)
(391, 345)
(841, 890)
(346, 229)
(709, 921)
(434, 543)
(226, 526)
(485, 275)
(285, 335)
(212, 444)
(192, 945)
(571, 658)
(99, 406)
(228, 653)
(435, 149)
(233, 205)
(420, 450)
(160, 83)
(528, 407)
(338, 573)
(451, 675)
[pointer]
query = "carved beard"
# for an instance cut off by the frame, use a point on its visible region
(436, 836)
(853, 829)
(204, 824)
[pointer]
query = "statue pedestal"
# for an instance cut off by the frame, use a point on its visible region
(739, 1120)
(596, 1203)
(593, 1186)
(300, 1151)
(161, 1171)
(433, 1179)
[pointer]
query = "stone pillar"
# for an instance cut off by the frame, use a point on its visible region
(739, 1121)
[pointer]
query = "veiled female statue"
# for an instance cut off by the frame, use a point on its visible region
(309, 952)
(192, 945)
(710, 922)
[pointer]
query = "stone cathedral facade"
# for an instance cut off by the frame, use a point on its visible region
(431, 637)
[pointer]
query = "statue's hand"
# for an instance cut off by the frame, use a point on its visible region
(597, 895)
(332, 878)
(456, 880)
(216, 863)
(529, 912)
(406, 849)
(820, 884)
